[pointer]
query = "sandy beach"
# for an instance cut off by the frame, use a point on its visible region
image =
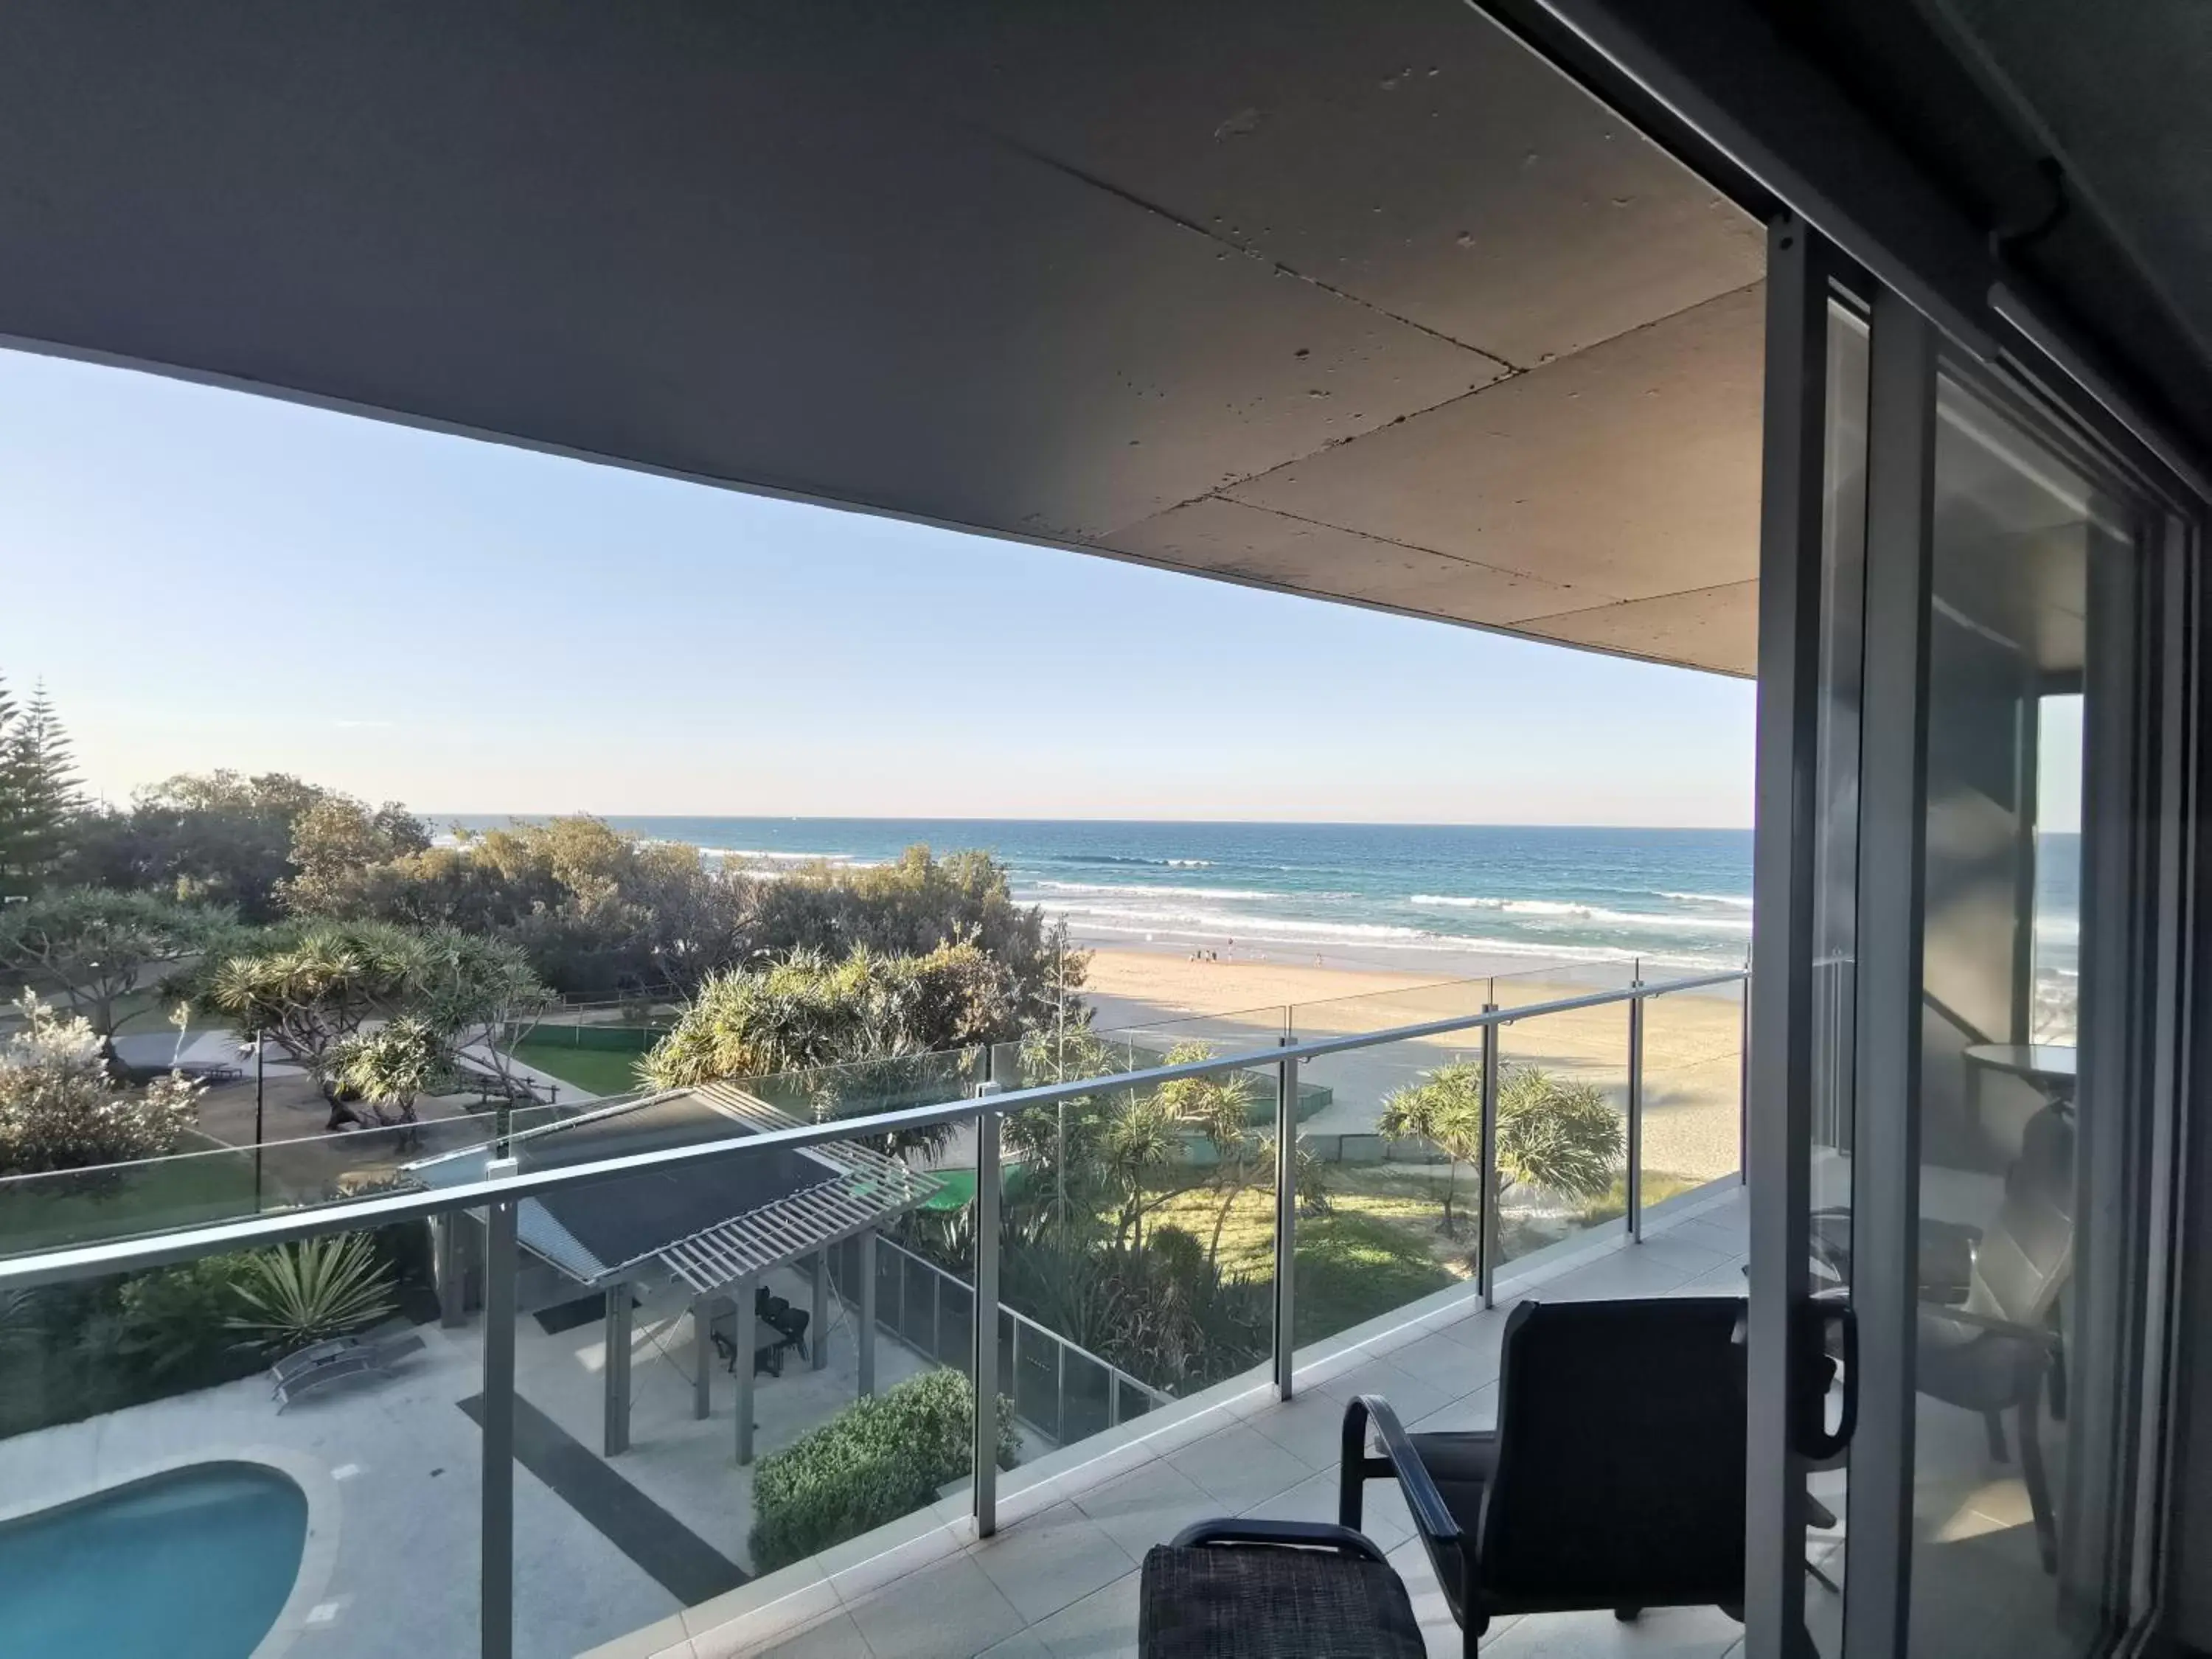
(1692, 1038)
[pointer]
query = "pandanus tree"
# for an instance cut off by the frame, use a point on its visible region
(1555, 1134)
(1220, 1107)
(326, 990)
(868, 1032)
(94, 947)
(1445, 1109)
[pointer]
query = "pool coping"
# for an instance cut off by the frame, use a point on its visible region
(318, 1550)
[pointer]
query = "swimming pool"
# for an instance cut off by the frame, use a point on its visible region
(193, 1564)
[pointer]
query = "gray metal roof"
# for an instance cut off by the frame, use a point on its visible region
(710, 1226)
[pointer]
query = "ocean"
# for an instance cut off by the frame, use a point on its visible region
(1456, 900)
(1451, 899)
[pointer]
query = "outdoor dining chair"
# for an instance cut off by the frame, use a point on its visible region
(1614, 1479)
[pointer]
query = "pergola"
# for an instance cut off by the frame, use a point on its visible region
(717, 1229)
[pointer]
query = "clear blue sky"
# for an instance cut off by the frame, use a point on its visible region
(205, 579)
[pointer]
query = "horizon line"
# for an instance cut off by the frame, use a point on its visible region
(1234, 822)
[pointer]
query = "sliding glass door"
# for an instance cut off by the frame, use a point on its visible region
(1973, 797)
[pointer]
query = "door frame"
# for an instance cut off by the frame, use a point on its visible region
(2140, 872)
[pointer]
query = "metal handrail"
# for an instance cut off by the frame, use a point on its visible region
(1157, 1396)
(156, 1249)
(504, 1186)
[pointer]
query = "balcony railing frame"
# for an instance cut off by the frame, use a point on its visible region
(504, 1186)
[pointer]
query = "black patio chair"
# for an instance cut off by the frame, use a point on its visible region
(1995, 1352)
(1948, 1250)
(778, 1329)
(788, 1323)
(1273, 1590)
(1614, 1478)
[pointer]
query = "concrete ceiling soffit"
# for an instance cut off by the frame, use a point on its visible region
(1228, 538)
(1709, 627)
(1407, 152)
(711, 249)
(1625, 472)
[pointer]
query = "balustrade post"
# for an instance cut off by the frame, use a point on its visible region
(985, 1319)
(1486, 1233)
(1287, 1219)
(497, 1545)
(1636, 1107)
(864, 1352)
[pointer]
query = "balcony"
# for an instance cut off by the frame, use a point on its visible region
(1060, 1576)
(564, 1454)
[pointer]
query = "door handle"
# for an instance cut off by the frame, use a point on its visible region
(1815, 1440)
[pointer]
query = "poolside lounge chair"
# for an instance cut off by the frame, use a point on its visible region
(374, 1352)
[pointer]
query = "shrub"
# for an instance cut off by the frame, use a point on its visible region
(174, 1323)
(62, 1109)
(299, 1294)
(872, 1463)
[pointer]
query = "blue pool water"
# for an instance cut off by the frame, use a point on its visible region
(195, 1563)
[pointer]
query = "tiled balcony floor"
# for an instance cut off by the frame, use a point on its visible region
(1060, 1579)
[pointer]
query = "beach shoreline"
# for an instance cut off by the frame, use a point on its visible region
(1692, 1040)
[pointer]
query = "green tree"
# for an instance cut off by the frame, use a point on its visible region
(393, 1065)
(61, 1108)
(869, 1033)
(1558, 1134)
(600, 913)
(212, 837)
(1221, 1108)
(1057, 1145)
(338, 844)
(316, 986)
(1445, 1109)
(94, 948)
(808, 1010)
(916, 903)
(38, 794)
(1138, 1142)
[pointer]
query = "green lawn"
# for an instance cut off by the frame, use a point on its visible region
(1354, 1264)
(48, 1213)
(600, 1070)
(1377, 1249)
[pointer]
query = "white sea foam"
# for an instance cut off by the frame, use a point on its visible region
(781, 858)
(1566, 910)
(1196, 922)
(1149, 890)
(1439, 943)
(1216, 922)
(1734, 901)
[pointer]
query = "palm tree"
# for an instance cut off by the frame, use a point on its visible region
(1309, 1174)
(393, 1066)
(1445, 1109)
(1221, 1107)
(1141, 1139)
(1556, 1135)
(1560, 1134)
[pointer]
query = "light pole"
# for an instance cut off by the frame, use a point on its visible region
(259, 1046)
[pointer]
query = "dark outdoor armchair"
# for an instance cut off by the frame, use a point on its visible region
(1614, 1478)
(1998, 1349)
